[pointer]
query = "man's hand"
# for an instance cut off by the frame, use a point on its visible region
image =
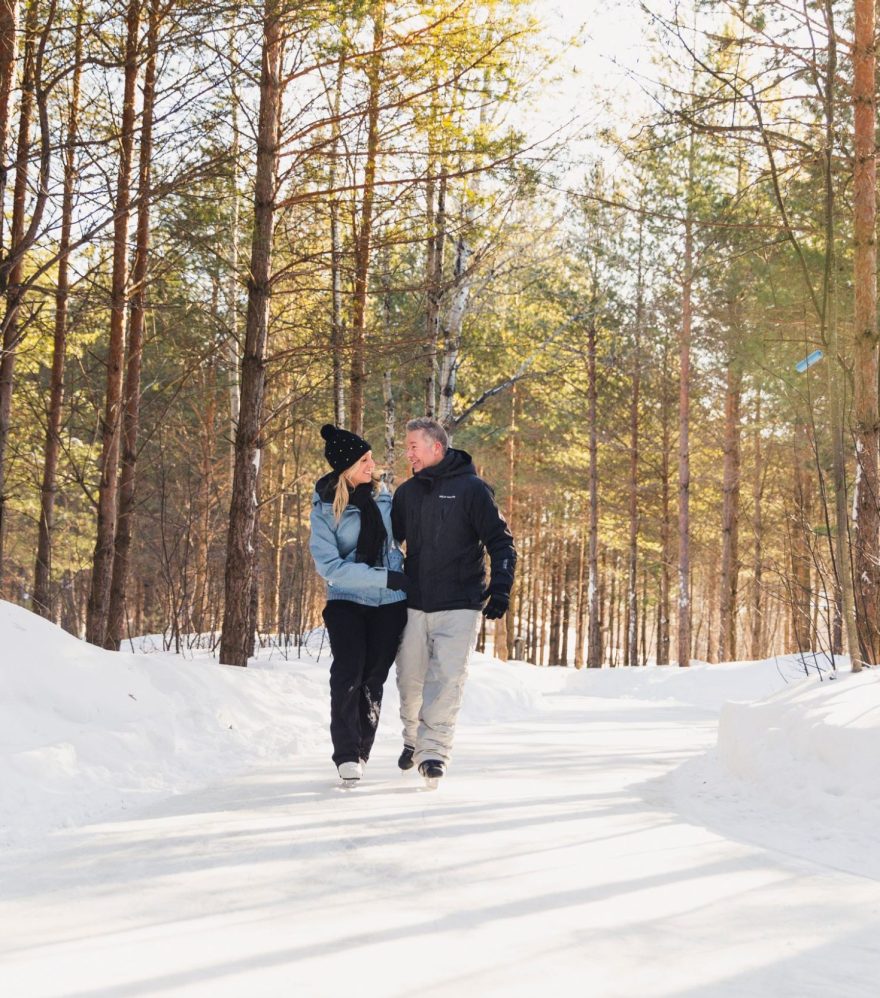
(497, 605)
(397, 580)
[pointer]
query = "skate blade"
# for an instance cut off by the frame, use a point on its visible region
(432, 782)
(348, 784)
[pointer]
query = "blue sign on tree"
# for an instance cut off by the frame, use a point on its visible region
(808, 361)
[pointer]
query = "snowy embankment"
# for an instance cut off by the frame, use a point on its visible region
(800, 774)
(811, 738)
(86, 733)
(792, 769)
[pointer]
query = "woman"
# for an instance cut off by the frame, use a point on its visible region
(355, 554)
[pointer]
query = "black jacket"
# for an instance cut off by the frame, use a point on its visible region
(449, 519)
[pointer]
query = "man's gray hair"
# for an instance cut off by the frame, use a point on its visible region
(431, 428)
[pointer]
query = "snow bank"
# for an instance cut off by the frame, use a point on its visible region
(86, 732)
(499, 691)
(814, 740)
(792, 766)
(701, 685)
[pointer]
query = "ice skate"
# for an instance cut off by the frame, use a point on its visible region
(406, 758)
(350, 774)
(432, 770)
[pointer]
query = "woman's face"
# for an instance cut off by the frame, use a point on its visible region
(361, 471)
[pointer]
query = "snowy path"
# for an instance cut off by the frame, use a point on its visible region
(552, 858)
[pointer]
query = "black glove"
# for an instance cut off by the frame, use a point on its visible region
(397, 580)
(497, 605)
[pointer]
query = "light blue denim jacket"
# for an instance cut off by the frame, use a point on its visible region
(333, 547)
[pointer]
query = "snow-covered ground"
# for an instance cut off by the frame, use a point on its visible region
(171, 827)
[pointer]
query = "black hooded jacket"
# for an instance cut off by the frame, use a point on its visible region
(449, 519)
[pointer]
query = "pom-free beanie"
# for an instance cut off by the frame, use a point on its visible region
(342, 448)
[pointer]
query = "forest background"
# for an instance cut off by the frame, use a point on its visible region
(224, 224)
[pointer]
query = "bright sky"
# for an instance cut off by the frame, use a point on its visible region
(603, 51)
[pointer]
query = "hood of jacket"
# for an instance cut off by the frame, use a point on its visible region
(454, 462)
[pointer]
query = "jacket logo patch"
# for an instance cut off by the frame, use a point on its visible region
(447, 497)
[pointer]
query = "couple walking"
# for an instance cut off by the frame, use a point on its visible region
(423, 610)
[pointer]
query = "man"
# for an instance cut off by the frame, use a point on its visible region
(449, 519)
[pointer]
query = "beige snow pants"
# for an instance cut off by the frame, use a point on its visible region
(432, 664)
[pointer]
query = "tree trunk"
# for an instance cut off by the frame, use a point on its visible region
(834, 372)
(363, 246)
(545, 591)
(566, 601)
(507, 632)
(254, 615)
(205, 502)
(730, 515)
(460, 292)
(663, 637)
(102, 560)
(390, 423)
(504, 626)
(757, 629)
(390, 407)
(278, 537)
(232, 341)
(684, 401)
(535, 569)
(8, 52)
(631, 644)
(594, 632)
(579, 600)
(709, 604)
(555, 609)
(434, 286)
(42, 600)
(500, 636)
(337, 325)
(865, 401)
(11, 332)
(603, 586)
(613, 602)
(132, 393)
(800, 531)
(236, 642)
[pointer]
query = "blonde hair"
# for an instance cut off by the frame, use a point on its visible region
(343, 491)
(340, 499)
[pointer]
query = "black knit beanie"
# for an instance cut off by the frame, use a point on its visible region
(342, 448)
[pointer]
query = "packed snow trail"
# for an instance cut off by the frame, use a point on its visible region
(551, 857)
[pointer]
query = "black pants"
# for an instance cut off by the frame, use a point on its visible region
(364, 641)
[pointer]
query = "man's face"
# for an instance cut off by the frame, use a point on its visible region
(422, 451)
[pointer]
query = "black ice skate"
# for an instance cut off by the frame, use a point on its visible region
(432, 770)
(406, 758)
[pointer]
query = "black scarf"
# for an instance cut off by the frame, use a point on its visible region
(373, 536)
